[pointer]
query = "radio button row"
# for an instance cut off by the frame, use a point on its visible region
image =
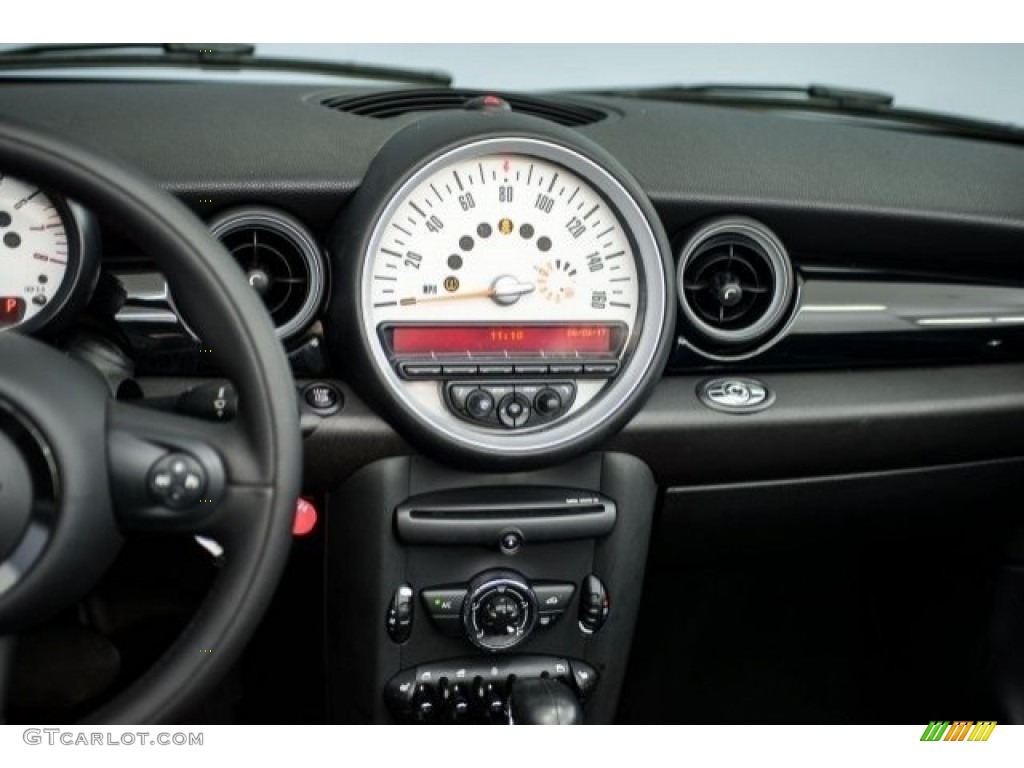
(435, 370)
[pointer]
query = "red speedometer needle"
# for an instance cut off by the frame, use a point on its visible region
(504, 290)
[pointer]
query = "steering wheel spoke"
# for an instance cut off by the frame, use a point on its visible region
(180, 474)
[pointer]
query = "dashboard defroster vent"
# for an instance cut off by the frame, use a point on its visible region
(281, 260)
(736, 287)
(385, 104)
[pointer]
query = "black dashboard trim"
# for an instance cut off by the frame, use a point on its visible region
(833, 422)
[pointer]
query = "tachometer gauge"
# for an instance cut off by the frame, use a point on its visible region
(512, 287)
(42, 259)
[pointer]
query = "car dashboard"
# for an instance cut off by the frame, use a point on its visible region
(583, 372)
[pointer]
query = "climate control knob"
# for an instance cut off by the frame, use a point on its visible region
(500, 610)
(499, 613)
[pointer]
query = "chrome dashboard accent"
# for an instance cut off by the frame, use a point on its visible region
(882, 306)
(148, 300)
(735, 395)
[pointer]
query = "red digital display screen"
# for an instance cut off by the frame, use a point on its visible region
(12, 309)
(499, 339)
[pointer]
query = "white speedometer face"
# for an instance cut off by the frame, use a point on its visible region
(34, 252)
(513, 295)
(498, 255)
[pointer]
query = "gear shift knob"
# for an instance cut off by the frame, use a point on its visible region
(543, 701)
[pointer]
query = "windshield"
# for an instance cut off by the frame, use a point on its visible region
(979, 81)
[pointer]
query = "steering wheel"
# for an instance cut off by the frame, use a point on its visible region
(79, 469)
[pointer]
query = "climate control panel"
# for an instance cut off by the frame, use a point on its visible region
(499, 609)
(496, 610)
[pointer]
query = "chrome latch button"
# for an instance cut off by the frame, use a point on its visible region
(735, 395)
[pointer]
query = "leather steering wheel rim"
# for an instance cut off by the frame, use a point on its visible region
(214, 296)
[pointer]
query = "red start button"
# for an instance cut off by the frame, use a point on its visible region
(305, 518)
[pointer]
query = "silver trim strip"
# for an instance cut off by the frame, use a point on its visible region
(902, 306)
(143, 315)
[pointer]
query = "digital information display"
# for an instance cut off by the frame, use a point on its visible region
(549, 340)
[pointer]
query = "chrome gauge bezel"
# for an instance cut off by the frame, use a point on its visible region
(81, 274)
(642, 349)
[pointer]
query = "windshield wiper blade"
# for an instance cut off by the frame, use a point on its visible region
(838, 96)
(855, 102)
(224, 56)
(85, 48)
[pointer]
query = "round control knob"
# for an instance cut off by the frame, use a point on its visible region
(479, 404)
(499, 613)
(500, 610)
(514, 411)
(547, 403)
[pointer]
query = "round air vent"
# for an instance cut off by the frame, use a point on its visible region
(736, 287)
(280, 259)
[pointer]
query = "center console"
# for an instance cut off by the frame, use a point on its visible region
(449, 593)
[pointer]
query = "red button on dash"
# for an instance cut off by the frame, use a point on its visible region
(305, 518)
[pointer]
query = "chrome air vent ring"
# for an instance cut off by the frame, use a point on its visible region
(282, 263)
(737, 288)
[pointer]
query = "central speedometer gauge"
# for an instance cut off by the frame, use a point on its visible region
(512, 289)
(504, 255)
